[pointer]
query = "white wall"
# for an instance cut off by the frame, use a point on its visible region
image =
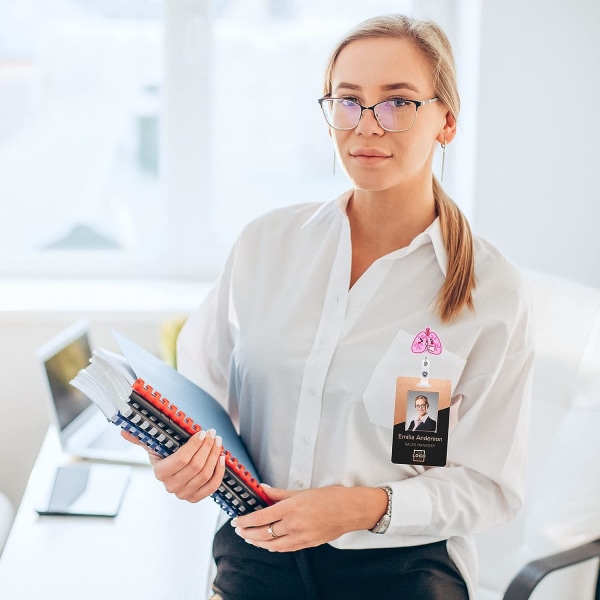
(537, 194)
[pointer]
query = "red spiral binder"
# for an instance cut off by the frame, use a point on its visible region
(172, 413)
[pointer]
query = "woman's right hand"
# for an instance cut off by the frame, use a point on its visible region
(195, 470)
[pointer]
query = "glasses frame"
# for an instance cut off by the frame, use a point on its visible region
(417, 103)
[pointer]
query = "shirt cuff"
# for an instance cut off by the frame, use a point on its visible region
(412, 508)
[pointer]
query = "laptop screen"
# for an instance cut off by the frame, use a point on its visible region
(63, 358)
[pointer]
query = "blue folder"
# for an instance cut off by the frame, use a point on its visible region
(197, 404)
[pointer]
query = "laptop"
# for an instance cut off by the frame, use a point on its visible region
(83, 430)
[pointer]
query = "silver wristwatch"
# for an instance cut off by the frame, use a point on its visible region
(383, 523)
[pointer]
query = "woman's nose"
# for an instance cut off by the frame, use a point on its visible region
(368, 123)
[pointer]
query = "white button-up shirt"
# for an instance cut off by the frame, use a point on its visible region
(307, 367)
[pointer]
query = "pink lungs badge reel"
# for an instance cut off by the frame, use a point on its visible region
(427, 341)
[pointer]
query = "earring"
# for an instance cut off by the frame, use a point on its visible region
(443, 159)
(334, 161)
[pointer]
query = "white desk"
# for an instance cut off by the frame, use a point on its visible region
(156, 540)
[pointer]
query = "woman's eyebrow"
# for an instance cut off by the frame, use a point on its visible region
(348, 86)
(402, 85)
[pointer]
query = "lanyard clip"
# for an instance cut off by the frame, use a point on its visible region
(425, 373)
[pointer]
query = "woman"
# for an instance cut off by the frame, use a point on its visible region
(310, 325)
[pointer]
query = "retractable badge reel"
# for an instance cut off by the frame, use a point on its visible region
(422, 410)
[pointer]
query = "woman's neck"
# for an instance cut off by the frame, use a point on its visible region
(384, 221)
(390, 219)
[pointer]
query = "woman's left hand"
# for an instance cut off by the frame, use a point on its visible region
(303, 519)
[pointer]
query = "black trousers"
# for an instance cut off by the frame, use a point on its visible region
(245, 572)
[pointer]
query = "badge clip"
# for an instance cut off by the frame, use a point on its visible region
(424, 373)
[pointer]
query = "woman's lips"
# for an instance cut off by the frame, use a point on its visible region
(369, 156)
(369, 159)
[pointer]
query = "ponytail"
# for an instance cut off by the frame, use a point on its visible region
(457, 291)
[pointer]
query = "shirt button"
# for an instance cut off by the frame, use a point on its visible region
(312, 391)
(306, 440)
(300, 483)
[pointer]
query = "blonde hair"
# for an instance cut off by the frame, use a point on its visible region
(457, 290)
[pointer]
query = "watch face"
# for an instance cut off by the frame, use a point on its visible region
(382, 526)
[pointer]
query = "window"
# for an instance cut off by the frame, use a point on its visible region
(80, 86)
(137, 137)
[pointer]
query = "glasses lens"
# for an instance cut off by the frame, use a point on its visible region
(396, 115)
(340, 113)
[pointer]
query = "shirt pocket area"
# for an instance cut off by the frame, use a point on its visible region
(399, 360)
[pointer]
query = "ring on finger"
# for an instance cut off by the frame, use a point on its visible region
(270, 530)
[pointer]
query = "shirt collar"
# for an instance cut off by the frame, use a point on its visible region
(342, 201)
(432, 234)
(434, 231)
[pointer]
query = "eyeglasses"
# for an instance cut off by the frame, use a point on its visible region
(398, 114)
(420, 405)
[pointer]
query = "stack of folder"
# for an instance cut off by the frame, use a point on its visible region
(126, 389)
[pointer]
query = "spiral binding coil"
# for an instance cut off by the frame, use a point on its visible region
(239, 492)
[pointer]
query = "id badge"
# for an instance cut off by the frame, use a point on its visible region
(422, 411)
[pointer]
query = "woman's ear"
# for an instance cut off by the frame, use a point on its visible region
(448, 131)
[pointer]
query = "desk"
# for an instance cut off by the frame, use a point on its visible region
(69, 558)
